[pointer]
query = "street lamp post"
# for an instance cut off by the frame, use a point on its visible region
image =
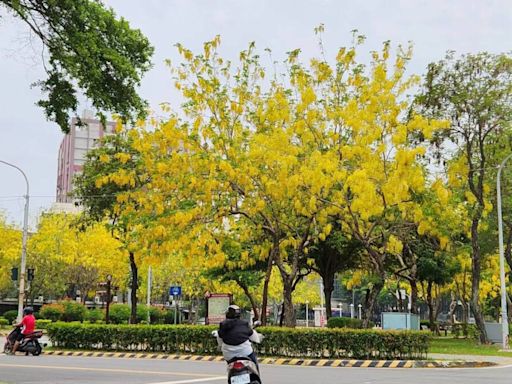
(21, 295)
(360, 306)
(307, 313)
(504, 319)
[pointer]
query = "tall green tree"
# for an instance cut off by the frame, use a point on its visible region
(474, 93)
(336, 254)
(89, 50)
(99, 193)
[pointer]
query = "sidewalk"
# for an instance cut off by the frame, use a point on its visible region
(500, 360)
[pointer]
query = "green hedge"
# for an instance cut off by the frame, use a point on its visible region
(287, 342)
(42, 323)
(4, 323)
(344, 322)
(465, 330)
(11, 315)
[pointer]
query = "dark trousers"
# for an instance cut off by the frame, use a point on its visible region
(253, 357)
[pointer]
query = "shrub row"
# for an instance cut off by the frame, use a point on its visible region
(119, 313)
(344, 322)
(4, 323)
(286, 342)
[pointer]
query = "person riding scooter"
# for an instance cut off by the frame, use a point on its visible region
(29, 325)
(236, 335)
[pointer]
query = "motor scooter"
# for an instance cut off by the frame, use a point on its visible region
(242, 370)
(29, 344)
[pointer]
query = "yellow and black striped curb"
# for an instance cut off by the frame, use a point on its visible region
(285, 361)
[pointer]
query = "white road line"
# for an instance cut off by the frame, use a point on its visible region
(113, 370)
(192, 380)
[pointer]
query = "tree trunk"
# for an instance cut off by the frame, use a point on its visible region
(134, 287)
(414, 297)
(431, 309)
(289, 319)
(251, 298)
(371, 299)
(264, 300)
(453, 307)
(476, 268)
(328, 282)
(509, 309)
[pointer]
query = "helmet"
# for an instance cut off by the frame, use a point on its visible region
(28, 311)
(233, 312)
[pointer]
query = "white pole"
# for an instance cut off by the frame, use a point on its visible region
(503, 288)
(21, 295)
(360, 306)
(148, 302)
(352, 314)
(307, 314)
(323, 314)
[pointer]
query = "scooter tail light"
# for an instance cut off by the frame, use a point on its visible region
(238, 365)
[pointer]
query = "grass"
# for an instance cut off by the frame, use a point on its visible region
(465, 347)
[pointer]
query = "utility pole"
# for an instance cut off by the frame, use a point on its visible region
(503, 287)
(109, 295)
(21, 294)
(149, 293)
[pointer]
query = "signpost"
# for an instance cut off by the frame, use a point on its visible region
(175, 292)
(216, 305)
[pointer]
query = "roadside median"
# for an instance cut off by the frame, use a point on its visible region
(285, 361)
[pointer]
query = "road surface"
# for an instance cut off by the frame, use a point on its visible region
(22, 369)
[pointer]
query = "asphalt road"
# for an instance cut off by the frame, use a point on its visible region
(87, 370)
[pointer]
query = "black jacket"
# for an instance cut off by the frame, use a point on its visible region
(234, 331)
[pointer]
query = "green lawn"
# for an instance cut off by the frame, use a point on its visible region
(465, 347)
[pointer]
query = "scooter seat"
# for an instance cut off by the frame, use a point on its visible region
(238, 358)
(34, 335)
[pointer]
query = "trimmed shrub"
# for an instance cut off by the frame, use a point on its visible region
(119, 313)
(156, 314)
(4, 323)
(42, 323)
(94, 315)
(286, 342)
(11, 315)
(73, 311)
(465, 330)
(344, 322)
(168, 317)
(52, 312)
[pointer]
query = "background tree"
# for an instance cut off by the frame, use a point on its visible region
(10, 253)
(336, 254)
(474, 93)
(68, 259)
(88, 50)
(109, 171)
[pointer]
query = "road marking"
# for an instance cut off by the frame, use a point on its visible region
(108, 370)
(192, 380)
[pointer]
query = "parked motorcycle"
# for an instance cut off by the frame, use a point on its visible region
(29, 344)
(241, 370)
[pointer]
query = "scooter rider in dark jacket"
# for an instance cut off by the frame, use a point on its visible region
(236, 336)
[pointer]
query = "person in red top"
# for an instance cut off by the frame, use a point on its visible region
(29, 325)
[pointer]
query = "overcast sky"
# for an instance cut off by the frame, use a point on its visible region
(434, 26)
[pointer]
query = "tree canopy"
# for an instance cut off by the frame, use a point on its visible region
(87, 50)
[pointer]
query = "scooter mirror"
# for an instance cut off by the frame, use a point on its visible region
(256, 324)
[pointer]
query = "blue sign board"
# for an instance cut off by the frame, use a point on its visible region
(175, 290)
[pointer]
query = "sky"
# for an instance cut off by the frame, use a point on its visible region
(433, 26)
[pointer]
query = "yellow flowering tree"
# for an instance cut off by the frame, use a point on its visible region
(10, 252)
(67, 258)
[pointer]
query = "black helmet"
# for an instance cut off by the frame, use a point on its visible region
(233, 312)
(28, 311)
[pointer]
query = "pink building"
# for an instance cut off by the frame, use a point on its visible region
(72, 151)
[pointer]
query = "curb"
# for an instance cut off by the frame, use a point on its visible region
(285, 361)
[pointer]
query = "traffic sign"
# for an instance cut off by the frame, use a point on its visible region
(175, 290)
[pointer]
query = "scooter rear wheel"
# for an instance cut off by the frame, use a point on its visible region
(38, 350)
(7, 347)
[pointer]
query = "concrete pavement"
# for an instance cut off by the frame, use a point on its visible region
(84, 370)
